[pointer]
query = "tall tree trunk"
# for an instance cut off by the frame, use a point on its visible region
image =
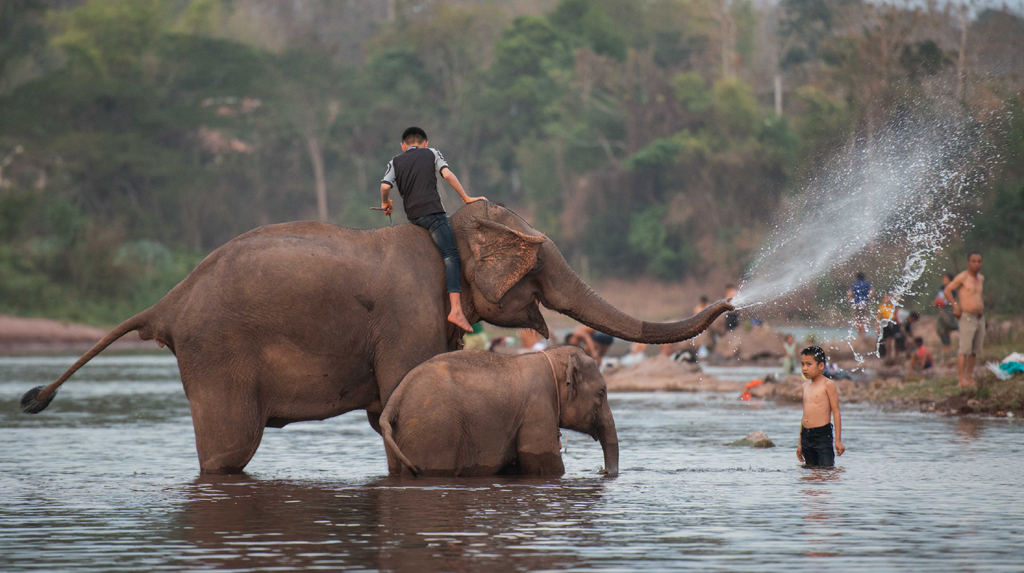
(778, 95)
(961, 60)
(728, 25)
(317, 157)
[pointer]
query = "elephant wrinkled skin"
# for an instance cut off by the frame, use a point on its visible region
(479, 413)
(306, 320)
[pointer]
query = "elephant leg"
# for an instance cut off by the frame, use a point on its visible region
(407, 350)
(538, 451)
(227, 421)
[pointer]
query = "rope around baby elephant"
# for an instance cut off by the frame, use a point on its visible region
(558, 396)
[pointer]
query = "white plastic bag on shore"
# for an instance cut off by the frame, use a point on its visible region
(999, 372)
(1015, 357)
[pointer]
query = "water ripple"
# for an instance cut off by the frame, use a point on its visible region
(106, 480)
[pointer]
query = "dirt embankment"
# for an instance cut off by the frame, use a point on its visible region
(883, 382)
(659, 374)
(1004, 398)
(28, 335)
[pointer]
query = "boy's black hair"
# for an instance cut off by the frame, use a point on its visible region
(816, 352)
(414, 135)
(915, 315)
(860, 276)
(949, 276)
(918, 341)
(704, 298)
(972, 254)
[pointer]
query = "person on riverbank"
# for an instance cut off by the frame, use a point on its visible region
(789, 349)
(533, 341)
(859, 294)
(821, 408)
(414, 172)
(921, 358)
(970, 310)
(732, 318)
(946, 322)
(705, 339)
(888, 328)
(594, 342)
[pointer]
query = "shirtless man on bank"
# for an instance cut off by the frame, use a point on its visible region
(970, 310)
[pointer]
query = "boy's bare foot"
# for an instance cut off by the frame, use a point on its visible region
(458, 319)
(967, 384)
(456, 316)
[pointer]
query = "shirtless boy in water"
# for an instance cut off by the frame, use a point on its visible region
(971, 312)
(821, 403)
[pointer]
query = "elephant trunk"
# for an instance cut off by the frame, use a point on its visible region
(564, 291)
(609, 440)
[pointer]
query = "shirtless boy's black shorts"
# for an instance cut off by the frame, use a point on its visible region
(816, 444)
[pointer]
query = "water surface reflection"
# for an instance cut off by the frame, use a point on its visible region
(427, 525)
(106, 479)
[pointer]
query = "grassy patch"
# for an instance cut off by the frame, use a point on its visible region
(992, 396)
(921, 391)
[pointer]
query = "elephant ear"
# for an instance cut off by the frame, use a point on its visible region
(502, 256)
(573, 375)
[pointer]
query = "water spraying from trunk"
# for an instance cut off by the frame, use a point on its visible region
(887, 209)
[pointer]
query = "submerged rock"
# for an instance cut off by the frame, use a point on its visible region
(756, 440)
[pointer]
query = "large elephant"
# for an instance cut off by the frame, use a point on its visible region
(479, 413)
(306, 320)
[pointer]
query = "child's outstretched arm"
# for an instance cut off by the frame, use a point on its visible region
(454, 182)
(833, 402)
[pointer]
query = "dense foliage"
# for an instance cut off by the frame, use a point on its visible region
(138, 135)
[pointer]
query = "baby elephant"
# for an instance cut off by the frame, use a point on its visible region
(478, 413)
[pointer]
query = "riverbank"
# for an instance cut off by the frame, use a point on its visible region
(992, 397)
(42, 336)
(745, 349)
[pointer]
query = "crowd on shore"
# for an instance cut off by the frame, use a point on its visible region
(896, 354)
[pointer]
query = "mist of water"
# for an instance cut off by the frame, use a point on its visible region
(887, 208)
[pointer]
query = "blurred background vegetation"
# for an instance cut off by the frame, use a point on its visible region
(647, 138)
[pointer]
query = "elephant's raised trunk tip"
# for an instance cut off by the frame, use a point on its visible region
(668, 332)
(565, 292)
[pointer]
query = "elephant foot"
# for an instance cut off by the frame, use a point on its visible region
(222, 471)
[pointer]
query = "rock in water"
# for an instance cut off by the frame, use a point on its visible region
(758, 439)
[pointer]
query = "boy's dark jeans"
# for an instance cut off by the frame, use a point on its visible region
(816, 444)
(440, 230)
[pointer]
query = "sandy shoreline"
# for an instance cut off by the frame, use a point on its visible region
(42, 336)
(936, 392)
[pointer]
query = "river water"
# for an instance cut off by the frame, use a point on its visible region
(106, 479)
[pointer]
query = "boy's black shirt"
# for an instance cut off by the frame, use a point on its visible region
(414, 173)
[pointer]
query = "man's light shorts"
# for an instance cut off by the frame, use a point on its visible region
(972, 333)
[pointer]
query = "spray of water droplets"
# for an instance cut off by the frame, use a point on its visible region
(887, 209)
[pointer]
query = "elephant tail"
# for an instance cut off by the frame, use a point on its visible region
(385, 430)
(38, 398)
